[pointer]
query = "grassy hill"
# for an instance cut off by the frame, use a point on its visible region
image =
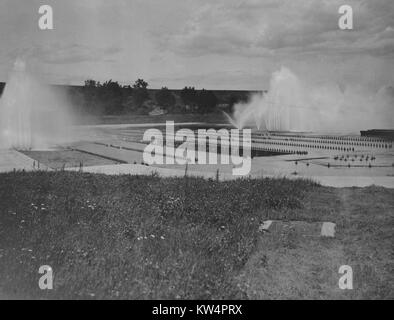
(144, 237)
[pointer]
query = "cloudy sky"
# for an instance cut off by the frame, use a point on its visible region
(216, 44)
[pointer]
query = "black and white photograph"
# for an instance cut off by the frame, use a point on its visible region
(197, 154)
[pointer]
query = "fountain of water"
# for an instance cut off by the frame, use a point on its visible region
(277, 110)
(32, 115)
(292, 104)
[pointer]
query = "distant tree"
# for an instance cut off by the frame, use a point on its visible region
(206, 101)
(189, 96)
(111, 94)
(128, 89)
(91, 104)
(140, 92)
(90, 83)
(140, 84)
(111, 86)
(165, 98)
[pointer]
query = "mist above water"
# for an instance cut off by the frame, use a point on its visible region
(292, 104)
(32, 115)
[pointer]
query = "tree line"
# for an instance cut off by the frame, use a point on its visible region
(112, 98)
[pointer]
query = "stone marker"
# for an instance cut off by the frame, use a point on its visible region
(328, 229)
(265, 226)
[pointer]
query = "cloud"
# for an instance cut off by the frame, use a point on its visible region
(221, 43)
(60, 53)
(264, 28)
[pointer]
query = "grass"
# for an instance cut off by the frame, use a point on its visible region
(301, 265)
(144, 237)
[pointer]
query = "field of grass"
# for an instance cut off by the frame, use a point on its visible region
(144, 237)
(301, 265)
